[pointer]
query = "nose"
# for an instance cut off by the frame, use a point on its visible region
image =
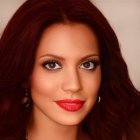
(71, 82)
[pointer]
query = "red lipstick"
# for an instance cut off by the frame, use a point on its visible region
(70, 104)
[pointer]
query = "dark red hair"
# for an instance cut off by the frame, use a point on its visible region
(18, 45)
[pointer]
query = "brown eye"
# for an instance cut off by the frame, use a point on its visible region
(52, 65)
(89, 65)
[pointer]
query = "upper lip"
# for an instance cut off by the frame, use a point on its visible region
(70, 101)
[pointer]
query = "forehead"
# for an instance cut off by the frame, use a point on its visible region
(68, 39)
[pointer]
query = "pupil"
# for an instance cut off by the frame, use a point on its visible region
(51, 65)
(87, 65)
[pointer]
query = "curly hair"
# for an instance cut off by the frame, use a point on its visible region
(18, 45)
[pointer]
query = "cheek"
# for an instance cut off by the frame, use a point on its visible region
(92, 84)
(43, 85)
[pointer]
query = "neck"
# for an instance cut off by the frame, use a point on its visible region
(54, 134)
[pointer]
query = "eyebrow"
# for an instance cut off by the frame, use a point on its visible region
(61, 58)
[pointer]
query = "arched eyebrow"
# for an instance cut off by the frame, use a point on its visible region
(52, 55)
(61, 58)
(89, 56)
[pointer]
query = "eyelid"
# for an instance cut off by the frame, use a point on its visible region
(96, 62)
(51, 61)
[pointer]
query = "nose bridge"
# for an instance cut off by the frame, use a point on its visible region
(72, 81)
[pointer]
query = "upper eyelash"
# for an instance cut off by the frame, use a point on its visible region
(95, 61)
(49, 61)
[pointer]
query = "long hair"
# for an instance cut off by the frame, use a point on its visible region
(18, 45)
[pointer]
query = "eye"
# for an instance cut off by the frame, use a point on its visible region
(89, 65)
(52, 65)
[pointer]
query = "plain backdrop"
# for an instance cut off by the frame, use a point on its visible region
(124, 17)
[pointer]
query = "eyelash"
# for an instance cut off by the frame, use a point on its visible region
(54, 63)
(94, 63)
(51, 62)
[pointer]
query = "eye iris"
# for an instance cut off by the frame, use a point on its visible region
(87, 65)
(51, 65)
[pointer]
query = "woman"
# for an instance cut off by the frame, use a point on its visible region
(62, 75)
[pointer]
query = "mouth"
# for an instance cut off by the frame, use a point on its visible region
(71, 105)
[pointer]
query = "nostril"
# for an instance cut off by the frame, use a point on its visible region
(72, 84)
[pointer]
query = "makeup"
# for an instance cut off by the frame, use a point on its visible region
(71, 105)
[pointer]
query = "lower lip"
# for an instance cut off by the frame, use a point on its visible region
(70, 106)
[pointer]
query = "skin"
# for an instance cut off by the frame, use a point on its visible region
(65, 68)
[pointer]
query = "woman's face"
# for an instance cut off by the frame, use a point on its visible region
(67, 75)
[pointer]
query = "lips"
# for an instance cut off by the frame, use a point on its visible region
(70, 104)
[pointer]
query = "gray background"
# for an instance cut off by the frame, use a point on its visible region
(124, 17)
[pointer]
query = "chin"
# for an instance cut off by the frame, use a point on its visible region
(71, 120)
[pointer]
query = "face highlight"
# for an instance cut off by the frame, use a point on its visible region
(67, 68)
